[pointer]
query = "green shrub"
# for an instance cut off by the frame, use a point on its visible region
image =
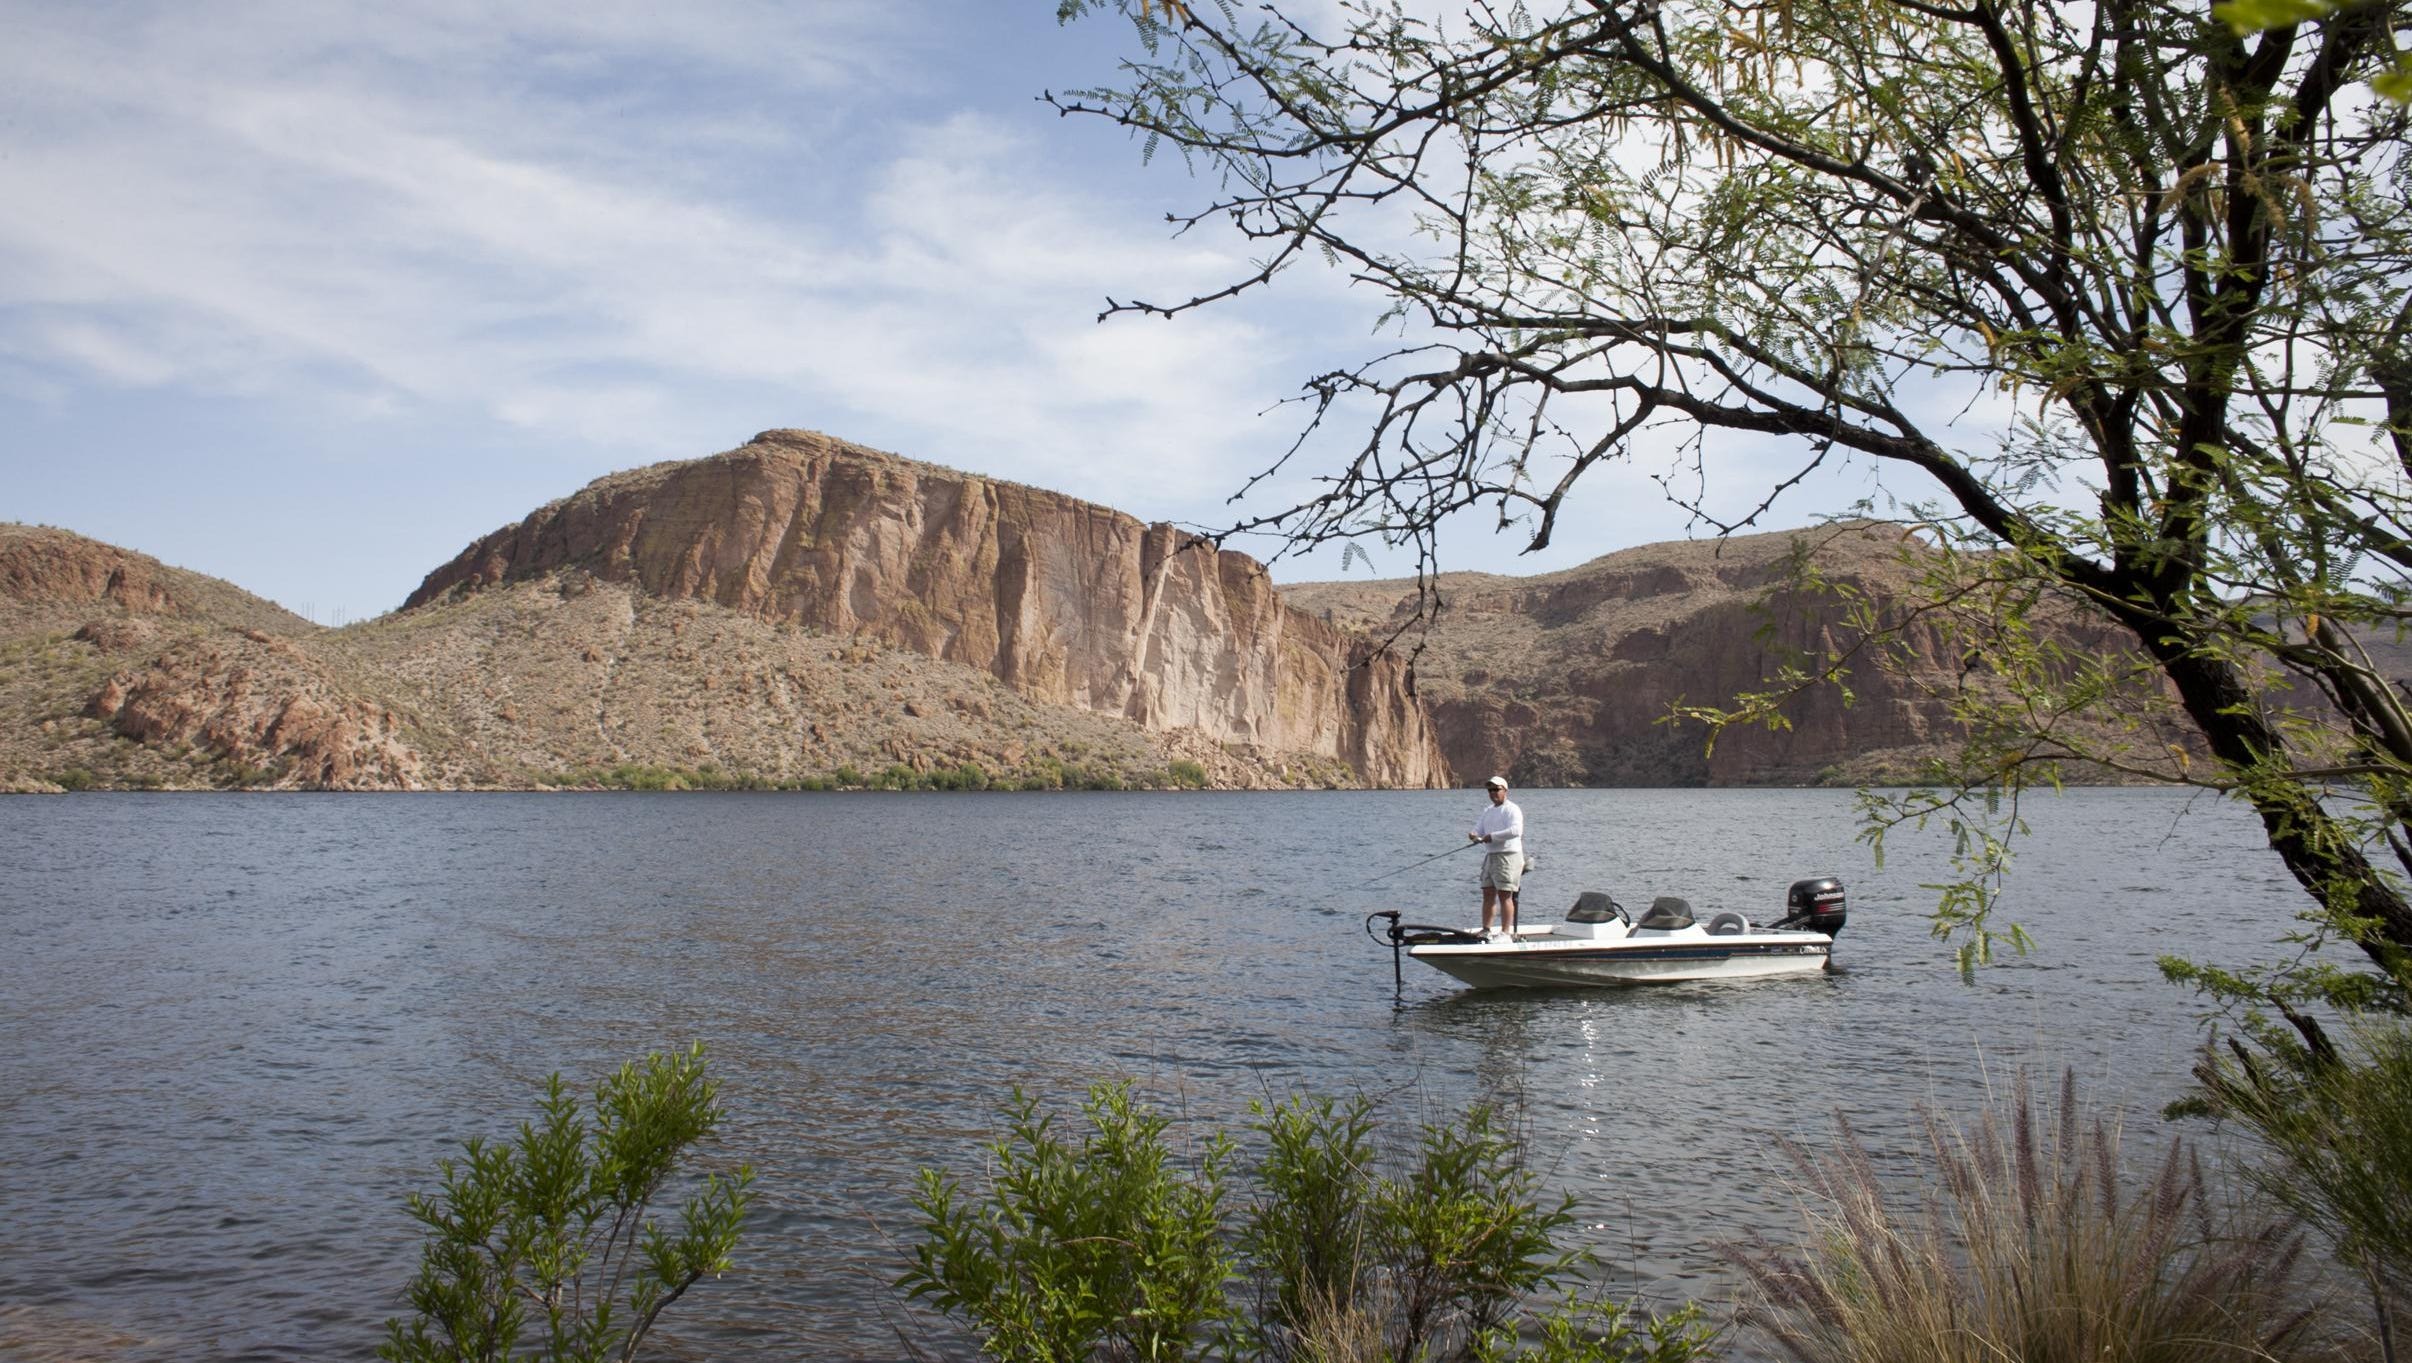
(2340, 1125)
(1110, 1247)
(1186, 774)
(1464, 1236)
(641, 776)
(2032, 1251)
(1312, 1223)
(1603, 1332)
(1092, 778)
(75, 778)
(1104, 1247)
(548, 1235)
(969, 776)
(847, 778)
(238, 773)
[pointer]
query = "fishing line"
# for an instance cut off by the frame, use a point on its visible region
(1413, 864)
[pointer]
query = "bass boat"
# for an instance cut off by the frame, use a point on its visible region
(1601, 944)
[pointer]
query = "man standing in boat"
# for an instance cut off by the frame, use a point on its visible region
(1501, 832)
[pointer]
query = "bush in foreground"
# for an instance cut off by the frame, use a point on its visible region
(2340, 1124)
(1108, 1244)
(2034, 1251)
(547, 1237)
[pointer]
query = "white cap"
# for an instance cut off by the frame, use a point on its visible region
(1499, 781)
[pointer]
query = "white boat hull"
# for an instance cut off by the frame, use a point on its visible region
(1539, 958)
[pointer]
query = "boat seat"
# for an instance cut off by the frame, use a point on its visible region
(1667, 912)
(1726, 923)
(1594, 906)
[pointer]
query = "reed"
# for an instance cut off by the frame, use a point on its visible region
(2030, 1245)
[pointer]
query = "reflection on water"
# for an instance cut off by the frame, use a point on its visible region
(243, 1027)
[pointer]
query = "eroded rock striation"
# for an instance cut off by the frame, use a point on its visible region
(1067, 602)
(1570, 678)
(285, 723)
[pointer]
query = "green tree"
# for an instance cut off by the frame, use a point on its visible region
(2162, 262)
(541, 1247)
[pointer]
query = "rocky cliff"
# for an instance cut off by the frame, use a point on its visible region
(118, 669)
(1568, 678)
(1067, 603)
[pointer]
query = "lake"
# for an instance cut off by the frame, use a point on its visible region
(242, 1027)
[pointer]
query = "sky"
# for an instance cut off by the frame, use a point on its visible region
(308, 297)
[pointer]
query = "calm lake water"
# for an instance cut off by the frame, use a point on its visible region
(240, 1028)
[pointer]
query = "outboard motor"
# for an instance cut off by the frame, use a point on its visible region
(1815, 904)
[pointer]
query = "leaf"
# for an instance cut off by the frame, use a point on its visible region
(2254, 16)
(2396, 82)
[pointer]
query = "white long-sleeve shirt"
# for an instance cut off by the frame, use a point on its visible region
(1501, 828)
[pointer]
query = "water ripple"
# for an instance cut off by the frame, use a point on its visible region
(242, 1029)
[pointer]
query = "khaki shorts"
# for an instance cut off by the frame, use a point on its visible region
(1502, 871)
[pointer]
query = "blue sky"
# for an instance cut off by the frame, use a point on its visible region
(308, 296)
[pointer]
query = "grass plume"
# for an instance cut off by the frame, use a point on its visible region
(2030, 1246)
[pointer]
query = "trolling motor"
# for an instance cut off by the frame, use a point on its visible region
(1404, 935)
(1815, 904)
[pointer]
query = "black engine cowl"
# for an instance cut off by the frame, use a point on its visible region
(1815, 904)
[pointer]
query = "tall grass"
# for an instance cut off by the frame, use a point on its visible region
(2030, 1247)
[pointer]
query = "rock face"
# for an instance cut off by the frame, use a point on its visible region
(1066, 602)
(52, 567)
(118, 669)
(1569, 678)
(563, 679)
(54, 573)
(290, 724)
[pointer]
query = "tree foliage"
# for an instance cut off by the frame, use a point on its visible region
(2117, 297)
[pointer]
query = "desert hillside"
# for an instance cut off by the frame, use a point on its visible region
(804, 612)
(1567, 678)
(1068, 603)
(795, 612)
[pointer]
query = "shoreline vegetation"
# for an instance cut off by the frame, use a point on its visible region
(1312, 1236)
(1042, 774)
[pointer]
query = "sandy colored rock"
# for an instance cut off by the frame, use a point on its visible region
(561, 680)
(1068, 603)
(1569, 678)
(293, 729)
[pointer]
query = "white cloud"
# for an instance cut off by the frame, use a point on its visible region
(373, 213)
(602, 233)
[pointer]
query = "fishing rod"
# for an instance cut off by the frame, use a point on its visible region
(1413, 864)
